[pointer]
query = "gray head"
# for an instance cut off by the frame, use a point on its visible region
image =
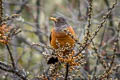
(59, 22)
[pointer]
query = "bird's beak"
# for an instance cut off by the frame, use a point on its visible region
(53, 19)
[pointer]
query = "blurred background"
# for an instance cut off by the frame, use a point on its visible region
(35, 27)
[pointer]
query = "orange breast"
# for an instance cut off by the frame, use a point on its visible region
(62, 38)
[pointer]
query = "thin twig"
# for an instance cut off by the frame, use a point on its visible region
(11, 56)
(67, 70)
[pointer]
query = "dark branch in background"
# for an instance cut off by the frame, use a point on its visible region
(22, 6)
(38, 13)
(1, 13)
(11, 56)
(38, 6)
(4, 65)
(67, 70)
(118, 35)
(110, 16)
(8, 68)
(79, 15)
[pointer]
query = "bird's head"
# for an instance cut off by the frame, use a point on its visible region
(59, 21)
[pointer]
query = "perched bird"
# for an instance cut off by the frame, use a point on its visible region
(58, 34)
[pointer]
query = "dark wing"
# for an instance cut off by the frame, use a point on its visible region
(52, 60)
(50, 38)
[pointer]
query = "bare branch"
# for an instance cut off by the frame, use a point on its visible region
(11, 57)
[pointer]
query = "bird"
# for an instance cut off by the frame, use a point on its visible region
(59, 36)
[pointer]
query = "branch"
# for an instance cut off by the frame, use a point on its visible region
(67, 70)
(38, 20)
(22, 6)
(7, 68)
(98, 29)
(11, 56)
(110, 17)
(1, 11)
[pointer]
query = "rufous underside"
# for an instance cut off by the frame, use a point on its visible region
(62, 38)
